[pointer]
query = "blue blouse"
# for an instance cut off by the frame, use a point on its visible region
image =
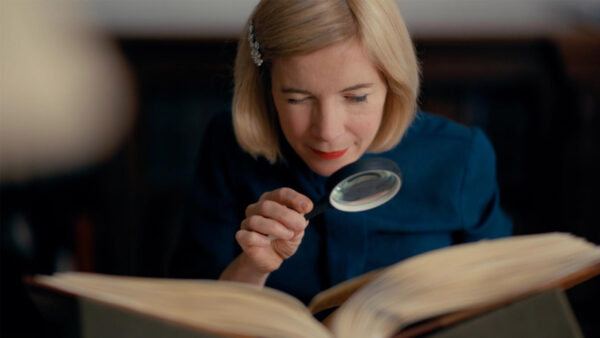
(449, 195)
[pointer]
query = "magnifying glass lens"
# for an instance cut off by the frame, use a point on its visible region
(362, 185)
(365, 190)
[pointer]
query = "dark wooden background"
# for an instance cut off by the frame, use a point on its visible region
(536, 98)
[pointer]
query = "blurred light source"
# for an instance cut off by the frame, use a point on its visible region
(65, 98)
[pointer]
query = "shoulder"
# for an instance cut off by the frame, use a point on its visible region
(448, 178)
(429, 125)
(450, 156)
(220, 154)
(438, 157)
(439, 135)
(219, 140)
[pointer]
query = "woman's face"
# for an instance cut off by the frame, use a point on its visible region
(329, 103)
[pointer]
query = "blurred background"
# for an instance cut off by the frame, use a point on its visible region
(104, 103)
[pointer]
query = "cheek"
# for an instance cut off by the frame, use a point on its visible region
(367, 124)
(367, 129)
(293, 121)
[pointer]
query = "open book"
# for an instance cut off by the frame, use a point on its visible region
(447, 284)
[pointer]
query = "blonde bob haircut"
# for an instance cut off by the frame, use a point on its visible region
(296, 27)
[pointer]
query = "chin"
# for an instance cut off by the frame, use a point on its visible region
(322, 170)
(327, 167)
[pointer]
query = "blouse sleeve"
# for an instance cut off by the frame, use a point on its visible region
(482, 216)
(206, 242)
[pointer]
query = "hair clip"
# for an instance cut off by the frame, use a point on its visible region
(254, 52)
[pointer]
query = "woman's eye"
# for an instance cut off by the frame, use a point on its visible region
(295, 101)
(362, 98)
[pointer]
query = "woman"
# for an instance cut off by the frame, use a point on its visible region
(318, 85)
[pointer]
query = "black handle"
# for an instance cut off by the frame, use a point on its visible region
(319, 208)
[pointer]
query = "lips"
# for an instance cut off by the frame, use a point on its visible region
(330, 155)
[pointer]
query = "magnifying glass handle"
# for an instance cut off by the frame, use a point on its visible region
(319, 208)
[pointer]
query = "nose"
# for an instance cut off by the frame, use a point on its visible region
(328, 121)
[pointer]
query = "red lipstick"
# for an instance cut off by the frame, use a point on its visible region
(330, 155)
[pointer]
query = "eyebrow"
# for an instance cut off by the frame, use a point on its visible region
(295, 90)
(358, 86)
(287, 90)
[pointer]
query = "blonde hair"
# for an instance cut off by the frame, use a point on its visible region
(297, 27)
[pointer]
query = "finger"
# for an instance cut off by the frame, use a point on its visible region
(250, 209)
(280, 213)
(247, 239)
(290, 198)
(267, 226)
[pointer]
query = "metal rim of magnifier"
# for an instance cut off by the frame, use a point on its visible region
(361, 167)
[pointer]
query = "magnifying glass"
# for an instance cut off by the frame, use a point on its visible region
(362, 185)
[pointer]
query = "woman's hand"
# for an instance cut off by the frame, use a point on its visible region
(270, 233)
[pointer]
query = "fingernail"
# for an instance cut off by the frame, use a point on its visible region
(290, 234)
(304, 206)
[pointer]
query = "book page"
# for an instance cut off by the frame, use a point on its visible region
(462, 277)
(227, 308)
(338, 294)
